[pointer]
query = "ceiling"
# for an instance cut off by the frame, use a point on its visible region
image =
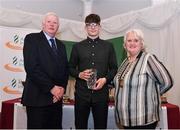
(74, 9)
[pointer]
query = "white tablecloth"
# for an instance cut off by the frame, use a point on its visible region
(20, 119)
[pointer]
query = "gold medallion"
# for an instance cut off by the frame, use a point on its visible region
(121, 83)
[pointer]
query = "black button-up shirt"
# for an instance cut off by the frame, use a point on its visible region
(93, 53)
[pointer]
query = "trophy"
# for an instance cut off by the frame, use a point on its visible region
(91, 82)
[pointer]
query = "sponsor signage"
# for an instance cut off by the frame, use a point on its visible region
(12, 72)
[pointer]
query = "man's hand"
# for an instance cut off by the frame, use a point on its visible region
(85, 74)
(57, 92)
(99, 83)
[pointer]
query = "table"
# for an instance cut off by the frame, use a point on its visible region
(14, 116)
(173, 114)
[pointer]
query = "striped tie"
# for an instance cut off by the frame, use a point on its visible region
(53, 46)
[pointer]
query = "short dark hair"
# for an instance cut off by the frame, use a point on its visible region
(93, 18)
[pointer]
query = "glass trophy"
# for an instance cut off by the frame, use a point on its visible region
(91, 82)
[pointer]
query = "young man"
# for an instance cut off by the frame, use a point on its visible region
(46, 67)
(92, 53)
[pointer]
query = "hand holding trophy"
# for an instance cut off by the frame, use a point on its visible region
(91, 82)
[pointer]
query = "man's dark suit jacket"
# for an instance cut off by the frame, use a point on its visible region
(43, 69)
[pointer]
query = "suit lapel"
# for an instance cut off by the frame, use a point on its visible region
(45, 43)
(58, 47)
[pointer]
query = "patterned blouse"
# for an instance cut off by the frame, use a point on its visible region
(137, 96)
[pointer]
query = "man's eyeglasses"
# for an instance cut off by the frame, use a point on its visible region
(92, 25)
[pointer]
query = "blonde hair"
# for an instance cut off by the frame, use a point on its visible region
(139, 34)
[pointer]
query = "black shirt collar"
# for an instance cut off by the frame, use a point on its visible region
(93, 40)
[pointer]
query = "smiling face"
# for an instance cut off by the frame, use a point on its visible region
(50, 24)
(93, 29)
(133, 44)
(92, 26)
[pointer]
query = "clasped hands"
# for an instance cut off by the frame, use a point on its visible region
(85, 75)
(57, 92)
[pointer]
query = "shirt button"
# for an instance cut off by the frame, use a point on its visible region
(92, 45)
(92, 63)
(92, 54)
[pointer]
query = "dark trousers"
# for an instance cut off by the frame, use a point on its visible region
(149, 126)
(48, 117)
(99, 112)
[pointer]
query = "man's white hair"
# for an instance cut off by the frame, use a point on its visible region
(48, 14)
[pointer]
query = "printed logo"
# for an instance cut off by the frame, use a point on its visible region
(14, 87)
(16, 65)
(17, 43)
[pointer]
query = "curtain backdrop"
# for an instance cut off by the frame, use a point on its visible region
(160, 24)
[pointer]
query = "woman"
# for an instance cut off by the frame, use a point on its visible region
(140, 81)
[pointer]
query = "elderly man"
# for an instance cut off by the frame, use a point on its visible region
(46, 67)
